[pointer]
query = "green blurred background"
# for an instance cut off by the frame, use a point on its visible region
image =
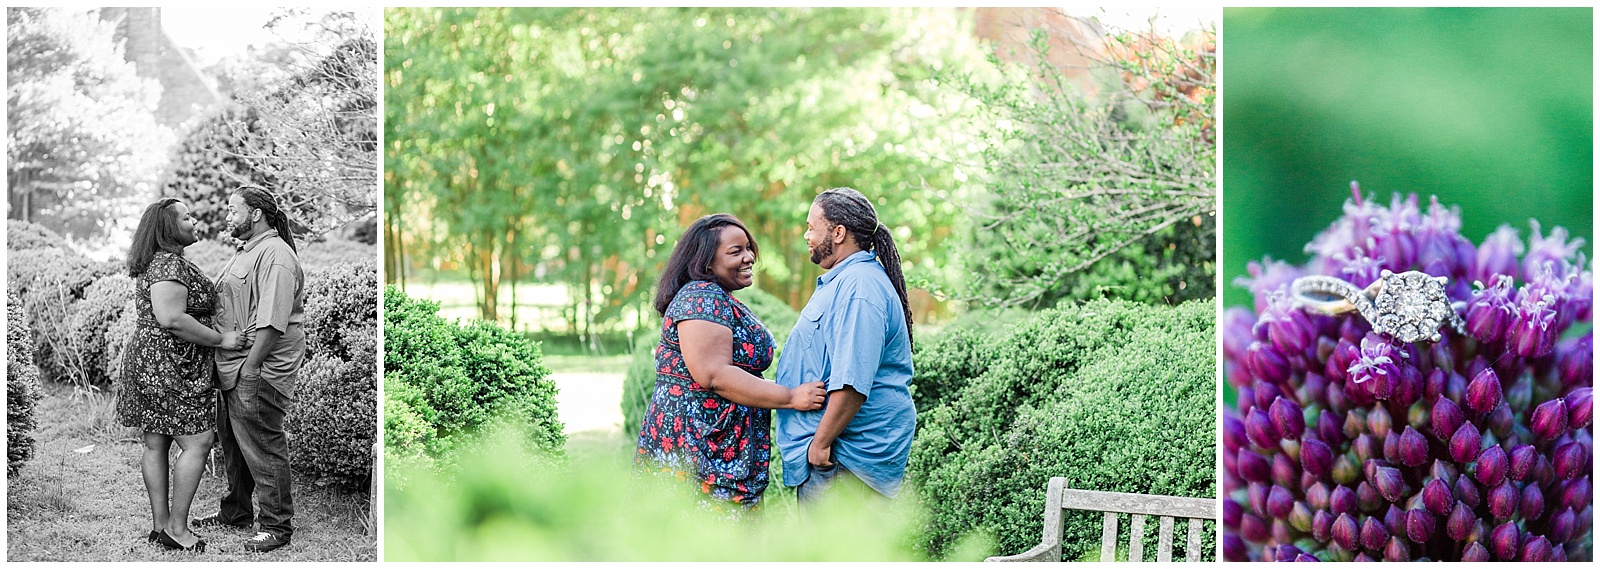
(1489, 109)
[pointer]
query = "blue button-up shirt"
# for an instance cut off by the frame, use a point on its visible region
(852, 334)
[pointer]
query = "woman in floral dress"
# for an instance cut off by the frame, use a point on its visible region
(166, 388)
(709, 417)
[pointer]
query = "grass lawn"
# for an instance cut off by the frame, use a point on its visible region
(587, 364)
(81, 498)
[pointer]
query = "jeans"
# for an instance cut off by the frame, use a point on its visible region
(255, 452)
(835, 478)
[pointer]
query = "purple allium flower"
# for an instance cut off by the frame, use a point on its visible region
(1348, 445)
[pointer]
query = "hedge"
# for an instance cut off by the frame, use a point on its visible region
(444, 382)
(1112, 395)
(334, 419)
(50, 282)
(22, 387)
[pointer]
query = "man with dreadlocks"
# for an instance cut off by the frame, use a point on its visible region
(855, 336)
(261, 293)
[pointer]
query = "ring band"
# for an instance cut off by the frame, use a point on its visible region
(1409, 306)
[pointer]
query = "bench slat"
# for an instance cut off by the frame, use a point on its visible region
(1108, 538)
(1136, 542)
(1192, 552)
(1205, 508)
(1164, 545)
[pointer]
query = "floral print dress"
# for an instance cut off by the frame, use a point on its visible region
(167, 384)
(695, 434)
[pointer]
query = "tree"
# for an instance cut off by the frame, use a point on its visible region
(83, 143)
(1109, 195)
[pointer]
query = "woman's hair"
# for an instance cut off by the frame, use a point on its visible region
(847, 207)
(257, 197)
(691, 257)
(158, 231)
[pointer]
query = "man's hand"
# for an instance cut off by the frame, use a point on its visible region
(819, 456)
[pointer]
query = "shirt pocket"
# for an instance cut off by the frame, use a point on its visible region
(809, 325)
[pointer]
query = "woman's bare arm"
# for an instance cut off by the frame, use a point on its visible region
(708, 352)
(167, 301)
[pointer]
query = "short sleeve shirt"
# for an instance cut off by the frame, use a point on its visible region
(852, 334)
(263, 287)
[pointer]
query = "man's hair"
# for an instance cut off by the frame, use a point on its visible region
(257, 197)
(158, 231)
(847, 207)
(691, 257)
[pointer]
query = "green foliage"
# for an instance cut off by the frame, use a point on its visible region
(22, 387)
(52, 284)
(334, 419)
(608, 130)
(82, 137)
(443, 382)
(23, 235)
(1113, 395)
(512, 505)
(1097, 195)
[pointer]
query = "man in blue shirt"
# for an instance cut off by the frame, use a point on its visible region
(855, 336)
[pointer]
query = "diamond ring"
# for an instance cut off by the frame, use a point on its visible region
(1408, 306)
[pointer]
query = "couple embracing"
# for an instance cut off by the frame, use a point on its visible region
(842, 391)
(215, 359)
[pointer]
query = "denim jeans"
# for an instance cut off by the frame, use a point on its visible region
(255, 452)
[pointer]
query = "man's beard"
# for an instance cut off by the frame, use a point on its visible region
(821, 252)
(240, 231)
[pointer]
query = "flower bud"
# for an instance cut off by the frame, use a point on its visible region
(1419, 525)
(1316, 458)
(1368, 497)
(1535, 550)
(1379, 422)
(1489, 312)
(1570, 461)
(1522, 460)
(1447, 417)
(1465, 443)
(1346, 532)
(1531, 506)
(1520, 392)
(1467, 492)
(1475, 553)
(1253, 528)
(1234, 548)
(1363, 558)
(1300, 517)
(1459, 524)
(1373, 535)
(1259, 428)
(1322, 525)
(1306, 557)
(1580, 406)
(1391, 447)
(1492, 465)
(1575, 494)
(1285, 472)
(1503, 500)
(1483, 393)
(1343, 500)
(1575, 360)
(1286, 552)
(1233, 436)
(1500, 421)
(1437, 498)
(1257, 495)
(1498, 256)
(1413, 447)
(1253, 467)
(1396, 550)
(1265, 394)
(1266, 363)
(1279, 502)
(1505, 542)
(1563, 525)
(1345, 470)
(1287, 418)
(1445, 470)
(1549, 419)
(1532, 331)
(1390, 483)
(1330, 429)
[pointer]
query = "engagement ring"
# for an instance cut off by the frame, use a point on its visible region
(1409, 306)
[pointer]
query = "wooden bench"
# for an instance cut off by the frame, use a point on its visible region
(1059, 498)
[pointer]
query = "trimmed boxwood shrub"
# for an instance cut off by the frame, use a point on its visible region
(639, 382)
(25, 235)
(1112, 395)
(22, 387)
(50, 282)
(334, 419)
(89, 323)
(444, 382)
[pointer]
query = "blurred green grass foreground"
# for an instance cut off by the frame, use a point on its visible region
(516, 505)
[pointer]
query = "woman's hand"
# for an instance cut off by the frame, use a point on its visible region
(808, 396)
(231, 341)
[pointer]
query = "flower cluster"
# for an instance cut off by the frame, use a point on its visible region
(1348, 445)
